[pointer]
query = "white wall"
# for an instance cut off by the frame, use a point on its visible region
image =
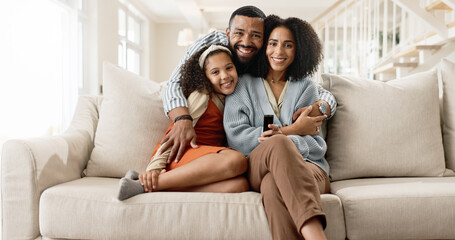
(167, 54)
(91, 86)
(153, 38)
(107, 34)
(164, 52)
(104, 42)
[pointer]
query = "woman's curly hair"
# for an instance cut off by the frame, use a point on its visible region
(192, 77)
(308, 49)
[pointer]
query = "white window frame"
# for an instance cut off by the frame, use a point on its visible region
(142, 46)
(83, 21)
(81, 7)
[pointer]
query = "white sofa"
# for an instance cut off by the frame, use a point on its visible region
(391, 161)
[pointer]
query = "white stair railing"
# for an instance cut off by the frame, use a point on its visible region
(367, 38)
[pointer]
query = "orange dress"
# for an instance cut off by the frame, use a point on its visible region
(210, 136)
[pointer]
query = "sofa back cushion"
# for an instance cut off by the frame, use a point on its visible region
(448, 110)
(385, 129)
(131, 122)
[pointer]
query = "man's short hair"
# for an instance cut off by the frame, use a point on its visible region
(248, 11)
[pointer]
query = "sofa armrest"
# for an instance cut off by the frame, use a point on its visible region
(29, 166)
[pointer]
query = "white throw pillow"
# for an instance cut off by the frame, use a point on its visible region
(385, 129)
(448, 110)
(131, 123)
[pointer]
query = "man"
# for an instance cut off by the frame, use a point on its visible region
(245, 38)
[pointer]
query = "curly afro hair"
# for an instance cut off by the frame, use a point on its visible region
(192, 77)
(308, 49)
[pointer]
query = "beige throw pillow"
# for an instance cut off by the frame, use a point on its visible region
(385, 129)
(131, 122)
(448, 110)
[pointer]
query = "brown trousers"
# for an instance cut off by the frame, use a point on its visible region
(289, 185)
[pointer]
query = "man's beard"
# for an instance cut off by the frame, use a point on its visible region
(242, 67)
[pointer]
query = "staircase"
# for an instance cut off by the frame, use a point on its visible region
(385, 39)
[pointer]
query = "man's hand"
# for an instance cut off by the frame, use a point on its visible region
(149, 179)
(274, 130)
(314, 112)
(178, 138)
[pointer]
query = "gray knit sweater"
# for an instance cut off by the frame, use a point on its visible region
(244, 115)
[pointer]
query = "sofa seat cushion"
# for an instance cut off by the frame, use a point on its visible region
(398, 208)
(87, 209)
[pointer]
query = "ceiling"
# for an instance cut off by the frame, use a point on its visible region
(206, 14)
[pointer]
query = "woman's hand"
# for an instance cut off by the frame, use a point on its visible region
(274, 130)
(149, 179)
(305, 124)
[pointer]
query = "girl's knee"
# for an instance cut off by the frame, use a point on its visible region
(236, 162)
(237, 185)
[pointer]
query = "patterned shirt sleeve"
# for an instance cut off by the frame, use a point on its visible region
(329, 98)
(173, 96)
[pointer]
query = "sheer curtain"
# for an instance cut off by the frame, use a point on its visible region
(38, 67)
(38, 76)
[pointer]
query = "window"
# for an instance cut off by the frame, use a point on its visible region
(43, 57)
(82, 44)
(131, 46)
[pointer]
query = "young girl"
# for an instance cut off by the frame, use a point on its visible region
(206, 78)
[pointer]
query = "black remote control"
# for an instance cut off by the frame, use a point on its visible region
(268, 119)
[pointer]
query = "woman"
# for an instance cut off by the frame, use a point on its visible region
(206, 78)
(286, 163)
